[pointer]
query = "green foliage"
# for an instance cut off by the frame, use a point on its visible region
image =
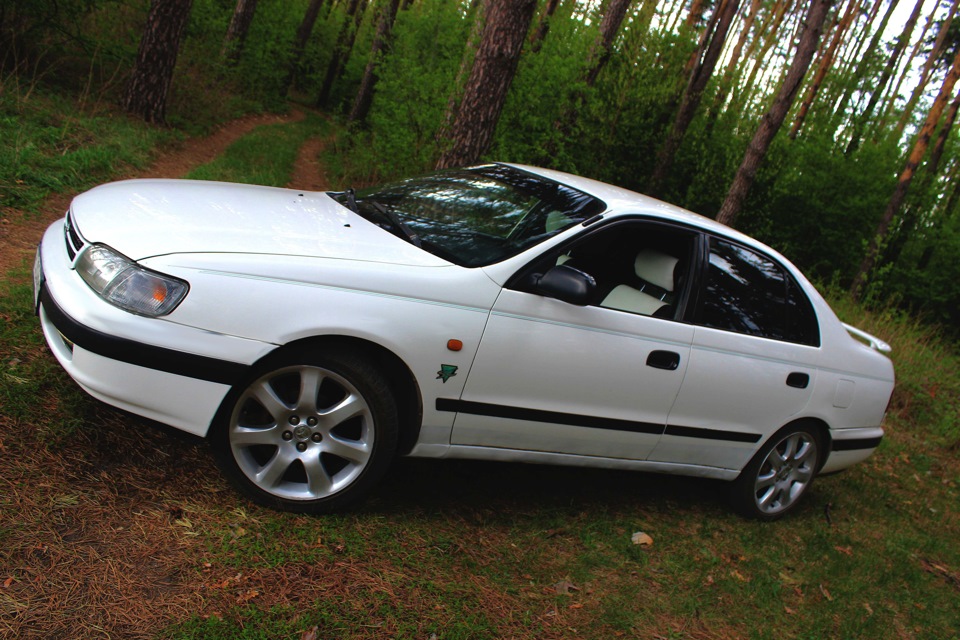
(412, 94)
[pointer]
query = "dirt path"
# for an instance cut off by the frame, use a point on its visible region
(308, 173)
(20, 232)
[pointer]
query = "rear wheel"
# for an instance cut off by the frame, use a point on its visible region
(311, 432)
(781, 472)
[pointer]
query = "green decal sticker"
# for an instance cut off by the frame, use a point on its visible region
(446, 372)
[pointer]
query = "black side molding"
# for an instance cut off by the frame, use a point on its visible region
(143, 355)
(855, 444)
(591, 422)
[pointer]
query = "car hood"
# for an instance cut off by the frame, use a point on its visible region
(146, 218)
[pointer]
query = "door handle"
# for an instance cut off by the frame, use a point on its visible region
(798, 380)
(667, 360)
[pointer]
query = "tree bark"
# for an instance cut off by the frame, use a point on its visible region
(237, 31)
(772, 121)
(490, 78)
(361, 105)
(146, 94)
(692, 95)
(906, 177)
(300, 42)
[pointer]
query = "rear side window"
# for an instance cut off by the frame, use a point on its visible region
(749, 293)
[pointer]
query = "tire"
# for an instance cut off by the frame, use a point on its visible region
(780, 473)
(310, 432)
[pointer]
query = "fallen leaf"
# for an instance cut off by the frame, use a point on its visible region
(310, 634)
(789, 611)
(248, 596)
(847, 551)
(641, 539)
(866, 605)
(826, 594)
(739, 576)
(576, 605)
(565, 588)
(8, 582)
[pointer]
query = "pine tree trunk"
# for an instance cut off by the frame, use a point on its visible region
(479, 9)
(690, 101)
(772, 121)
(341, 53)
(826, 62)
(237, 31)
(723, 90)
(766, 43)
(613, 15)
(146, 94)
(927, 68)
(888, 70)
(543, 27)
(853, 63)
(490, 78)
(906, 177)
(906, 74)
(300, 42)
(361, 105)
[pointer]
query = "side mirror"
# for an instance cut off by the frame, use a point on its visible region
(568, 285)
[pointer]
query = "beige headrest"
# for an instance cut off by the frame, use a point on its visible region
(656, 268)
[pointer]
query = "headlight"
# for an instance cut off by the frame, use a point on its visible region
(122, 282)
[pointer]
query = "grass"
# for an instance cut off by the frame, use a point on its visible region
(109, 526)
(51, 144)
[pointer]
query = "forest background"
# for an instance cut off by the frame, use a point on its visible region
(845, 111)
(858, 186)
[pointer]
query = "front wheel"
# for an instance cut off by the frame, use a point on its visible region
(779, 474)
(310, 433)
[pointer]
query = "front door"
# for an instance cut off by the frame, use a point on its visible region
(596, 380)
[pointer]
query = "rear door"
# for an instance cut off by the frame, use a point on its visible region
(752, 362)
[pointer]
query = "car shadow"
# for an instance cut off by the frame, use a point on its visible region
(452, 485)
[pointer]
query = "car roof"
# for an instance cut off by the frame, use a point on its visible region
(621, 202)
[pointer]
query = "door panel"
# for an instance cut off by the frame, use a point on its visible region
(735, 395)
(550, 376)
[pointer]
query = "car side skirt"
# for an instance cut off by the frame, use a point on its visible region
(466, 452)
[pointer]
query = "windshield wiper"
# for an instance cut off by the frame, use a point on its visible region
(352, 200)
(397, 223)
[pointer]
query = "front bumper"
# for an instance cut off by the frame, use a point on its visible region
(156, 368)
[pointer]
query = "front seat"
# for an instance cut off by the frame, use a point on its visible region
(653, 268)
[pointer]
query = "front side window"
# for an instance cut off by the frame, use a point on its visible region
(748, 293)
(638, 267)
(478, 216)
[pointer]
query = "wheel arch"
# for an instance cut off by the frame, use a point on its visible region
(402, 382)
(822, 428)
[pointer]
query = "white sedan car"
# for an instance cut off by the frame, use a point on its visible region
(498, 312)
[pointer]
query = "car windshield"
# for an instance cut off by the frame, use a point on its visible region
(477, 216)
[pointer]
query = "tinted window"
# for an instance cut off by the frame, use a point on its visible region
(748, 293)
